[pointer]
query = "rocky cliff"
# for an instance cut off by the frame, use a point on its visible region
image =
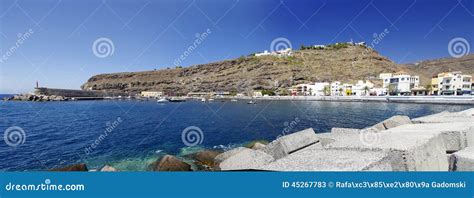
(346, 63)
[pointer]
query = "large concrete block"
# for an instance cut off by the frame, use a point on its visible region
(314, 158)
(405, 151)
(462, 160)
(392, 122)
(447, 117)
(455, 135)
(287, 144)
(245, 159)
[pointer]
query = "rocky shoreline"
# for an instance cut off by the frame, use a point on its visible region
(438, 142)
(35, 98)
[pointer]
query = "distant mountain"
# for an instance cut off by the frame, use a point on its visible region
(345, 63)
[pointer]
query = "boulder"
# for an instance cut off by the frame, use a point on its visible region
(246, 159)
(108, 168)
(74, 167)
(258, 146)
(462, 160)
(205, 158)
(170, 163)
(287, 144)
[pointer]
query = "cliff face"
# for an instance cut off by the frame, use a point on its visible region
(346, 64)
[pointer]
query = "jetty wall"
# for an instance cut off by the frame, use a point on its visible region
(71, 93)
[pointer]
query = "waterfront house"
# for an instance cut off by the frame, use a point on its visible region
(420, 91)
(379, 91)
(320, 89)
(347, 89)
(362, 88)
(151, 94)
(454, 83)
(336, 88)
(385, 77)
(434, 85)
(401, 83)
(257, 94)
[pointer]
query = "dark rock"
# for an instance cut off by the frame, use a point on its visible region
(170, 163)
(74, 167)
(205, 159)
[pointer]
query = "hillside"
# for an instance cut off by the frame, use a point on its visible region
(347, 64)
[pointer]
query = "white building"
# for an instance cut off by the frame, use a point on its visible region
(151, 94)
(362, 88)
(264, 53)
(402, 83)
(454, 83)
(279, 53)
(320, 89)
(336, 88)
(320, 46)
(385, 77)
(379, 91)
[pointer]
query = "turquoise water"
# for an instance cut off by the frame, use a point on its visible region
(134, 133)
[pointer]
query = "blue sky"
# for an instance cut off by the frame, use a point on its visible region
(149, 34)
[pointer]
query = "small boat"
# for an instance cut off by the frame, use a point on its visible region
(211, 99)
(177, 100)
(233, 100)
(252, 102)
(162, 100)
(203, 99)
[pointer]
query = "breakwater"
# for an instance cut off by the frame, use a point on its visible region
(71, 93)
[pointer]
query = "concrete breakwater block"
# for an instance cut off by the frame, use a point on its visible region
(243, 159)
(455, 135)
(405, 151)
(314, 158)
(392, 122)
(447, 117)
(462, 160)
(287, 144)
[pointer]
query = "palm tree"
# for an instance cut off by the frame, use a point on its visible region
(326, 90)
(392, 89)
(366, 89)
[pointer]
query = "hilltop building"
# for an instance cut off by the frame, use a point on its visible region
(278, 53)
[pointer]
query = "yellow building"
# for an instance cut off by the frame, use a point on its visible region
(434, 85)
